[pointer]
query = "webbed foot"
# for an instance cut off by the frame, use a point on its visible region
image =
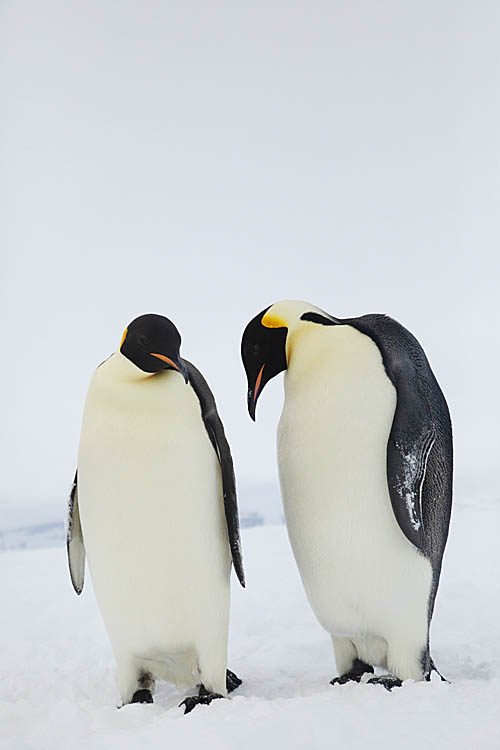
(356, 672)
(387, 681)
(203, 697)
(142, 696)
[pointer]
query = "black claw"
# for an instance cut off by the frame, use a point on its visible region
(387, 682)
(344, 679)
(189, 703)
(142, 696)
(204, 698)
(232, 681)
(356, 672)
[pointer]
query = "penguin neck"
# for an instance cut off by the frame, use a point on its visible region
(338, 350)
(124, 370)
(307, 346)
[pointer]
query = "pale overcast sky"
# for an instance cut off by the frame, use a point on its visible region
(205, 159)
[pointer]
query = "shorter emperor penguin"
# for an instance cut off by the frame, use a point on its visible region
(365, 464)
(153, 507)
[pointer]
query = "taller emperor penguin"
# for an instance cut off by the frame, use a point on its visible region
(153, 507)
(365, 464)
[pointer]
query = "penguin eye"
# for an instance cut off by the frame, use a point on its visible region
(251, 350)
(143, 341)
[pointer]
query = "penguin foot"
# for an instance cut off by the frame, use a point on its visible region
(387, 681)
(232, 681)
(356, 672)
(203, 697)
(142, 696)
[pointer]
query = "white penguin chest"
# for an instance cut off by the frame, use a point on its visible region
(144, 450)
(337, 416)
(151, 505)
(332, 447)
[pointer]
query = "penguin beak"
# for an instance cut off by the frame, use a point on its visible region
(251, 404)
(253, 394)
(179, 366)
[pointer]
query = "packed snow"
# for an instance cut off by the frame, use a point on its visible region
(58, 686)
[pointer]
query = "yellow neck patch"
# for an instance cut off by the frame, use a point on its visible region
(123, 337)
(273, 321)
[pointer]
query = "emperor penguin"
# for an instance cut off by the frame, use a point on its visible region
(365, 464)
(153, 507)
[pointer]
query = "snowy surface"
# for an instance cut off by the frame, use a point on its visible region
(58, 685)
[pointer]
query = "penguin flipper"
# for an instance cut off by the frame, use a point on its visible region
(215, 431)
(419, 449)
(74, 540)
(420, 445)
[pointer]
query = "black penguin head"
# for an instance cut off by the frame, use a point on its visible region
(152, 343)
(263, 350)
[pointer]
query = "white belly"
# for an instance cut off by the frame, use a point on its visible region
(152, 517)
(361, 575)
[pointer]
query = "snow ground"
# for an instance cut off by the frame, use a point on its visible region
(58, 687)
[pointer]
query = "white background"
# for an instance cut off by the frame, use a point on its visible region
(205, 159)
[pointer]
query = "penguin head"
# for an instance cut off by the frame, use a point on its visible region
(265, 346)
(152, 343)
(263, 354)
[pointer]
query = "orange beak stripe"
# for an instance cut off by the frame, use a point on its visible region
(165, 359)
(257, 384)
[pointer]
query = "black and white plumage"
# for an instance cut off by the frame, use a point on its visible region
(420, 445)
(154, 508)
(365, 459)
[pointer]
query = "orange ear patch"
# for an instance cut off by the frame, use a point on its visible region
(165, 359)
(123, 337)
(273, 321)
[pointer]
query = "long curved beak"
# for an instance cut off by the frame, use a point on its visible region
(179, 366)
(253, 394)
(251, 404)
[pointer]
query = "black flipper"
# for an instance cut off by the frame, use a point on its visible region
(419, 449)
(218, 439)
(74, 540)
